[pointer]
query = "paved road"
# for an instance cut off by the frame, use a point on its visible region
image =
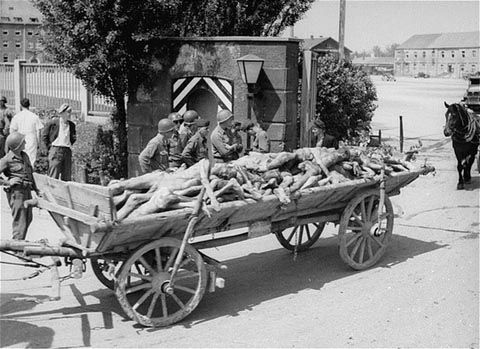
(424, 292)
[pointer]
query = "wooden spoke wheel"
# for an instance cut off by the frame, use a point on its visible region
(362, 238)
(307, 235)
(101, 268)
(143, 285)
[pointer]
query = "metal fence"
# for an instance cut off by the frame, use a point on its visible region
(48, 86)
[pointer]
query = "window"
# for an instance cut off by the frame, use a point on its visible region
(424, 54)
(18, 44)
(18, 32)
(453, 54)
(17, 56)
(37, 33)
(5, 58)
(443, 54)
(34, 19)
(5, 44)
(17, 19)
(474, 53)
(5, 32)
(474, 68)
(463, 54)
(29, 33)
(31, 45)
(5, 19)
(415, 54)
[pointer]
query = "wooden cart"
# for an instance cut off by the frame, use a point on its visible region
(159, 280)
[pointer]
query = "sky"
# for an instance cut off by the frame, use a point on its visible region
(384, 22)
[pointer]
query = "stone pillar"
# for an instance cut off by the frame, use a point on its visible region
(19, 82)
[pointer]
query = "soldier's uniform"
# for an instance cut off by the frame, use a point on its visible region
(195, 150)
(175, 150)
(155, 155)
(221, 142)
(18, 170)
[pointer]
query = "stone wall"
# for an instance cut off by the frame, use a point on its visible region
(275, 105)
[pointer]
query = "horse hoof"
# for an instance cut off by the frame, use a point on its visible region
(460, 186)
(468, 181)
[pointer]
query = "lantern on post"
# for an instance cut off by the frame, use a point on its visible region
(250, 67)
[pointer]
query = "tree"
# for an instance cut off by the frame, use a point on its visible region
(377, 51)
(345, 97)
(106, 43)
(390, 50)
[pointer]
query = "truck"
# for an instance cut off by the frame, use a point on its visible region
(472, 94)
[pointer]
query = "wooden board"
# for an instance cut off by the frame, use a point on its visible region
(88, 199)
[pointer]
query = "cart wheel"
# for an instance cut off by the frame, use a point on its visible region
(362, 241)
(308, 234)
(143, 283)
(101, 266)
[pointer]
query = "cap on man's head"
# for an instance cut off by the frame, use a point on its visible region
(318, 124)
(64, 107)
(3, 99)
(202, 123)
(248, 126)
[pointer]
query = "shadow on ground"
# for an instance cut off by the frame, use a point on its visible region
(250, 280)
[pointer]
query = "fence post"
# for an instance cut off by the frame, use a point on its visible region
(19, 82)
(84, 102)
(401, 134)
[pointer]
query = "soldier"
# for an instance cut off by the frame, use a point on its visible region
(175, 158)
(188, 128)
(6, 116)
(224, 149)
(16, 166)
(261, 142)
(196, 148)
(155, 155)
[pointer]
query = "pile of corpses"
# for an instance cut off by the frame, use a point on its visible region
(250, 177)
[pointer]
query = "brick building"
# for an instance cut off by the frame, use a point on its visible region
(20, 29)
(444, 55)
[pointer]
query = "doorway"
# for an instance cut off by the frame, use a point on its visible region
(205, 103)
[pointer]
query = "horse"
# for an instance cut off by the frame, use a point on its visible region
(464, 128)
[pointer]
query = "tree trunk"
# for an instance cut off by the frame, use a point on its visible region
(119, 120)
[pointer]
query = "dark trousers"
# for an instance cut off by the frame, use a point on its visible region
(60, 163)
(22, 217)
(2, 145)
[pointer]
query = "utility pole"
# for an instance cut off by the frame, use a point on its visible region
(341, 31)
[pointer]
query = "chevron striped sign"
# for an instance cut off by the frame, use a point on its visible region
(183, 87)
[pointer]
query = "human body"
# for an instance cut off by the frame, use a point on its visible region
(30, 125)
(58, 136)
(16, 166)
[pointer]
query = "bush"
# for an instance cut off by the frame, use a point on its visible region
(345, 98)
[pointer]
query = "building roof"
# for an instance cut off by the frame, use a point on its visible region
(373, 61)
(13, 10)
(442, 40)
(322, 43)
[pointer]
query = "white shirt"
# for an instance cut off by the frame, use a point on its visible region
(63, 138)
(28, 124)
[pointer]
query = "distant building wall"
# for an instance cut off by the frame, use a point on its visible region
(437, 62)
(21, 41)
(209, 65)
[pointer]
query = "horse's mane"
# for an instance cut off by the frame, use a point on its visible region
(467, 127)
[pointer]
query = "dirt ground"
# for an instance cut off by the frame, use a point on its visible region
(423, 292)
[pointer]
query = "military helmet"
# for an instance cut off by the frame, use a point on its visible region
(190, 116)
(224, 115)
(14, 140)
(165, 125)
(175, 117)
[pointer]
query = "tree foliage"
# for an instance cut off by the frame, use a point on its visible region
(106, 43)
(345, 97)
